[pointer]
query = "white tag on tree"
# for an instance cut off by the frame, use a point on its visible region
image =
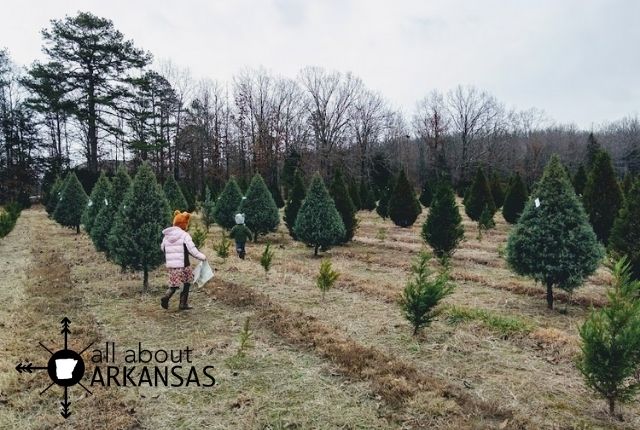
(537, 202)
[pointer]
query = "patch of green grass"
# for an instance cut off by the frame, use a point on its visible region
(504, 325)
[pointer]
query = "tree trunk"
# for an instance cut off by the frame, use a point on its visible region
(612, 405)
(92, 132)
(550, 295)
(315, 250)
(145, 282)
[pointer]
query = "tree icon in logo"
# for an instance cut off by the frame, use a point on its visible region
(65, 368)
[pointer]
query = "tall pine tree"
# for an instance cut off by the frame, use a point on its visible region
(227, 205)
(593, 148)
(344, 205)
(73, 201)
(134, 240)
(554, 242)
(99, 194)
(625, 235)
(318, 223)
(602, 196)
(514, 200)
(404, 208)
(294, 202)
(174, 195)
(479, 196)
(442, 229)
(261, 213)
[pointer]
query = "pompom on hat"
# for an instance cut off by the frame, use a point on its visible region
(181, 219)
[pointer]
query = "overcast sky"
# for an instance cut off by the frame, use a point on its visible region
(578, 60)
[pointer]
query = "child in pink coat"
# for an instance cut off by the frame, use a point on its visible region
(177, 245)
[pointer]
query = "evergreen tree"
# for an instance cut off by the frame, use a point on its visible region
(426, 195)
(514, 200)
(367, 196)
(174, 195)
(478, 197)
(274, 189)
(189, 195)
(611, 342)
(208, 208)
(227, 205)
(442, 229)
(292, 162)
(344, 205)
(354, 193)
(380, 174)
(54, 195)
(593, 148)
(134, 240)
(553, 242)
(485, 222)
(99, 194)
(318, 223)
(104, 220)
(296, 196)
(73, 201)
(385, 194)
(602, 196)
(243, 184)
(580, 180)
(626, 185)
(496, 191)
(625, 235)
(261, 213)
(404, 208)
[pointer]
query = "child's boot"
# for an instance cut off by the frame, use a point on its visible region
(164, 301)
(184, 297)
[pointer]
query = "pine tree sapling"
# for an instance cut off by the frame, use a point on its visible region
(73, 201)
(134, 240)
(104, 220)
(611, 342)
(514, 200)
(553, 241)
(260, 211)
(227, 205)
(443, 229)
(294, 202)
(580, 180)
(99, 195)
(208, 208)
(426, 195)
(404, 208)
(421, 295)
(244, 339)
(318, 223)
(326, 277)
(479, 196)
(625, 234)
(496, 190)
(199, 237)
(602, 196)
(174, 195)
(267, 258)
(222, 247)
(344, 205)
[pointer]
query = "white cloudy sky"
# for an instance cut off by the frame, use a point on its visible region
(579, 60)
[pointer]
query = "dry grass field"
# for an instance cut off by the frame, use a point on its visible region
(495, 358)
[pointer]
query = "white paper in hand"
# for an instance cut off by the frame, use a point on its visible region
(202, 273)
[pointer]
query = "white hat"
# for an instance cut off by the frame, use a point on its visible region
(239, 218)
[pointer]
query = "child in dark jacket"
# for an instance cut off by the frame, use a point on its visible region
(240, 233)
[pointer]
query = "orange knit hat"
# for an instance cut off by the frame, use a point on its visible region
(181, 219)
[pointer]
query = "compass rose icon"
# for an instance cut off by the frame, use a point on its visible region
(65, 368)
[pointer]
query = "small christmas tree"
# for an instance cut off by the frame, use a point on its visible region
(367, 196)
(553, 241)
(227, 205)
(53, 196)
(404, 208)
(625, 235)
(385, 194)
(294, 202)
(261, 213)
(274, 188)
(514, 200)
(189, 195)
(326, 277)
(344, 205)
(174, 195)
(421, 296)
(602, 196)
(267, 258)
(426, 195)
(496, 190)
(208, 208)
(485, 222)
(134, 240)
(73, 201)
(443, 227)
(611, 342)
(479, 196)
(580, 180)
(104, 220)
(318, 223)
(100, 193)
(354, 193)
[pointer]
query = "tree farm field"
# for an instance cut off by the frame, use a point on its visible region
(496, 357)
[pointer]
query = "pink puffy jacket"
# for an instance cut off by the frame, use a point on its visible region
(174, 243)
